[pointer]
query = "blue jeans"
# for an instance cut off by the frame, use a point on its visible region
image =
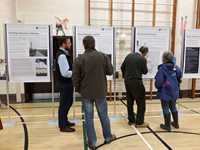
(166, 105)
(101, 106)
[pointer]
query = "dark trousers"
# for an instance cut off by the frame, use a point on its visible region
(136, 92)
(166, 105)
(66, 100)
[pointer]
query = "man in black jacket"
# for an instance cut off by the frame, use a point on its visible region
(132, 69)
(64, 82)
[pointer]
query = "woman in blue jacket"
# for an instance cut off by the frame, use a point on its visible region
(166, 81)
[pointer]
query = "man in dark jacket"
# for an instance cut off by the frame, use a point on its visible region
(64, 82)
(132, 69)
(89, 77)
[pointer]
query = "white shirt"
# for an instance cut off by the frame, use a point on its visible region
(64, 65)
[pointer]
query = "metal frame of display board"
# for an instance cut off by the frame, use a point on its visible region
(49, 31)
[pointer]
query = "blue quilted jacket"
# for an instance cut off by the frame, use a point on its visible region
(166, 81)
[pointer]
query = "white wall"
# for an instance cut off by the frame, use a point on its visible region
(76, 11)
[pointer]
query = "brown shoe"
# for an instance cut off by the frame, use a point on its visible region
(70, 124)
(142, 125)
(112, 139)
(92, 148)
(131, 123)
(68, 129)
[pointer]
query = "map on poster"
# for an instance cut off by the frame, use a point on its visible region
(152, 61)
(157, 40)
(104, 44)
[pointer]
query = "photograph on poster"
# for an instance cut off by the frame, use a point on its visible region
(157, 40)
(37, 47)
(41, 67)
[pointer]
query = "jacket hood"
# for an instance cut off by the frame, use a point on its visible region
(171, 66)
(168, 67)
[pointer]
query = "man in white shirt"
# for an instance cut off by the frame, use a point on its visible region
(64, 82)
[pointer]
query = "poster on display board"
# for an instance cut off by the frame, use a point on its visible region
(158, 40)
(28, 52)
(104, 41)
(190, 53)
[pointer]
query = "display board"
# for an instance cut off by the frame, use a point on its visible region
(104, 41)
(28, 52)
(158, 40)
(190, 53)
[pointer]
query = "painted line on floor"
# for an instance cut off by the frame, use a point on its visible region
(173, 132)
(190, 109)
(153, 132)
(159, 138)
(98, 119)
(25, 128)
(84, 131)
(140, 135)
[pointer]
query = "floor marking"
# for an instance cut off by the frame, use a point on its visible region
(84, 132)
(189, 109)
(25, 128)
(139, 134)
(31, 122)
(152, 132)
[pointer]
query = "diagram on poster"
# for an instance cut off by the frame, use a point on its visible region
(28, 52)
(104, 44)
(104, 40)
(152, 61)
(157, 40)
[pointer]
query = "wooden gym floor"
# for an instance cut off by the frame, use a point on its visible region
(32, 131)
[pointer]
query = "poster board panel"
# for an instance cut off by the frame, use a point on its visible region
(158, 40)
(191, 53)
(28, 52)
(104, 41)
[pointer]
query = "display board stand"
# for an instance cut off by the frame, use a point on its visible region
(53, 121)
(74, 120)
(115, 118)
(9, 123)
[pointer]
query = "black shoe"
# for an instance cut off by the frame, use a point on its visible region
(175, 122)
(68, 129)
(92, 148)
(112, 139)
(70, 124)
(175, 125)
(167, 125)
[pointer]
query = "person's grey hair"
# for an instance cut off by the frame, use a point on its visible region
(143, 49)
(167, 57)
(89, 42)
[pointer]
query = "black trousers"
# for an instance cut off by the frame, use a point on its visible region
(136, 92)
(66, 101)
